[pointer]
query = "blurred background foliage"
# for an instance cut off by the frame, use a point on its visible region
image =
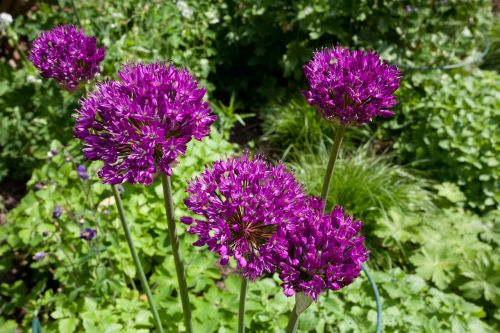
(425, 183)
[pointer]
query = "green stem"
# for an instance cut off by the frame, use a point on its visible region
(241, 311)
(293, 321)
(331, 163)
(137, 262)
(377, 297)
(174, 242)
(75, 11)
(324, 195)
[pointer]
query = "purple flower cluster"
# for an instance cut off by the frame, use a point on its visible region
(66, 54)
(140, 124)
(247, 204)
(88, 234)
(57, 212)
(351, 87)
(258, 214)
(324, 251)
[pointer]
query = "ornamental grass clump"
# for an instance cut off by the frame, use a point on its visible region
(67, 55)
(140, 124)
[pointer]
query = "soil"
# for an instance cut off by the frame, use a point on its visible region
(11, 192)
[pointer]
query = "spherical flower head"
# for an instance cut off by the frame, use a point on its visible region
(139, 125)
(66, 54)
(325, 251)
(247, 204)
(88, 234)
(351, 87)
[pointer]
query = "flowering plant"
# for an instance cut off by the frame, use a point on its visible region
(351, 87)
(248, 205)
(140, 124)
(67, 55)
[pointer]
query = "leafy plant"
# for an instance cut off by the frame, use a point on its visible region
(227, 116)
(448, 126)
(260, 43)
(77, 274)
(32, 115)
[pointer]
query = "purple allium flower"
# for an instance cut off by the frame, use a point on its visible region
(66, 54)
(57, 212)
(82, 172)
(351, 86)
(325, 251)
(88, 234)
(247, 204)
(39, 255)
(139, 125)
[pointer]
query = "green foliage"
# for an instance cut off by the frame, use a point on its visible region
(92, 287)
(492, 59)
(448, 125)
(366, 185)
(227, 116)
(78, 276)
(27, 125)
(295, 127)
(260, 42)
(435, 262)
(450, 248)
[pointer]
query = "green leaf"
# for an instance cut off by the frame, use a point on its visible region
(67, 324)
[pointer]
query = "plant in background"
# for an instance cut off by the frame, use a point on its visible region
(366, 184)
(447, 125)
(227, 116)
(248, 205)
(67, 55)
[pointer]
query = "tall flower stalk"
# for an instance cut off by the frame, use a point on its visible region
(174, 244)
(138, 126)
(246, 207)
(348, 88)
(67, 55)
(137, 262)
(242, 305)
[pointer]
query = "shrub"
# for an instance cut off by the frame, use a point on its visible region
(79, 286)
(32, 115)
(76, 276)
(448, 125)
(259, 43)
